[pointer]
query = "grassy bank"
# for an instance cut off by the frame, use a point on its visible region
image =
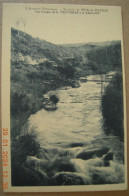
(37, 67)
(112, 107)
(30, 79)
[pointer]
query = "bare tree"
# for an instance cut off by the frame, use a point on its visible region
(17, 25)
(20, 24)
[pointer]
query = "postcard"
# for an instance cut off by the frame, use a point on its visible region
(63, 98)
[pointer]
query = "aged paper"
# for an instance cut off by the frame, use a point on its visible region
(63, 98)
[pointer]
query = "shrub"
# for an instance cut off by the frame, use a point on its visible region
(67, 70)
(25, 145)
(112, 107)
(19, 103)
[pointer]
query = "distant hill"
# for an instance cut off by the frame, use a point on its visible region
(38, 66)
(37, 50)
(46, 66)
(91, 44)
(37, 61)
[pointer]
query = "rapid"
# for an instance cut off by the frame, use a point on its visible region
(75, 149)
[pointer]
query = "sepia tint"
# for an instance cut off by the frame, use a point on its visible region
(65, 97)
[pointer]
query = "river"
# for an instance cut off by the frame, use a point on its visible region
(75, 148)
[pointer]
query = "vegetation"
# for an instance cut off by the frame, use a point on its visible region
(104, 59)
(34, 71)
(67, 68)
(37, 67)
(24, 145)
(112, 107)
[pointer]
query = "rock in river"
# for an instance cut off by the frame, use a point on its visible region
(50, 106)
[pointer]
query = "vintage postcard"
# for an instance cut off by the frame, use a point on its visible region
(63, 98)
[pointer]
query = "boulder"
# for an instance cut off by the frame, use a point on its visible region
(67, 178)
(85, 155)
(75, 84)
(83, 80)
(50, 106)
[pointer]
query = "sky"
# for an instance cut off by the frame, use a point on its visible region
(65, 28)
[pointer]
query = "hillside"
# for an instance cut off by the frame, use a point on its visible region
(86, 58)
(38, 66)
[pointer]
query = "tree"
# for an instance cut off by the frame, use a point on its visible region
(112, 107)
(67, 68)
(19, 103)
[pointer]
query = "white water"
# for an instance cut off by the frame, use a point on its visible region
(74, 129)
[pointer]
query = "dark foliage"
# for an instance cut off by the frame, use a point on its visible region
(68, 70)
(104, 59)
(112, 107)
(55, 66)
(26, 145)
(19, 103)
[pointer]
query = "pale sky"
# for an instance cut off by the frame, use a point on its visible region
(65, 28)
